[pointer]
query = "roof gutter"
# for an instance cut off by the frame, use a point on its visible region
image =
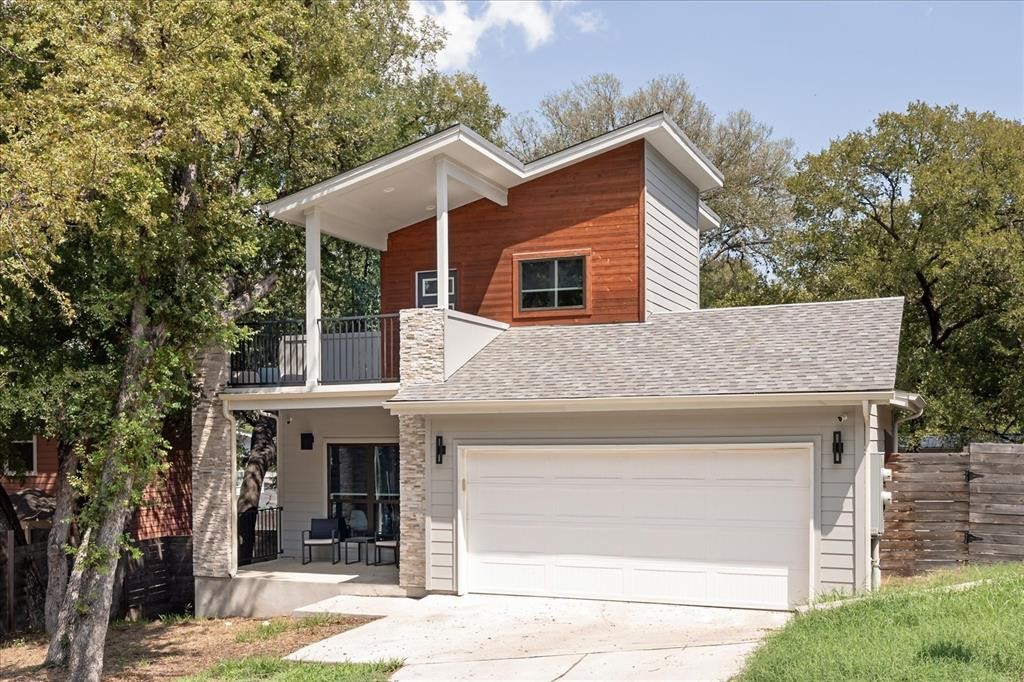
(635, 403)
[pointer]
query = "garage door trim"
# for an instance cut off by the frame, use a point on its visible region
(465, 451)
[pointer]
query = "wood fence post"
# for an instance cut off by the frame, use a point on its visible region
(9, 577)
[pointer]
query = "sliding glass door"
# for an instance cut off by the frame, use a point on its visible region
(362, 488)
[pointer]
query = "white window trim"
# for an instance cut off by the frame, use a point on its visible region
(35, 458)
(452, 286)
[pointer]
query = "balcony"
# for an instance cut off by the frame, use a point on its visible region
(353, 350)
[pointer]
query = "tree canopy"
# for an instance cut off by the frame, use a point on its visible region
(136, 140)
(926, 204)
(754, 204)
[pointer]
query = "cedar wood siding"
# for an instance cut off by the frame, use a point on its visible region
(167, 502)
(596, 204)
(45, 478)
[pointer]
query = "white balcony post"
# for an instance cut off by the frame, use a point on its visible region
(313, 304)
(441, 206)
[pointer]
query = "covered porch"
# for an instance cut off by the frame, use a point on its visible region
(338, 465)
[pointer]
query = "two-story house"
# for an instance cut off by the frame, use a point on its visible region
(568, 421)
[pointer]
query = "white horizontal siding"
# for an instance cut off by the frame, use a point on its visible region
(302, 474)
(671, 237)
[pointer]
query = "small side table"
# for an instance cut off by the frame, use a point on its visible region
(361, 548)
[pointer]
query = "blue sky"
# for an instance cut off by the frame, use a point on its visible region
(813, 71)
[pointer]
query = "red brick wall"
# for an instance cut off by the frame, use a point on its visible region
(594, 206)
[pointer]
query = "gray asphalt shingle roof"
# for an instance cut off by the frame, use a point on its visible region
(813, 347)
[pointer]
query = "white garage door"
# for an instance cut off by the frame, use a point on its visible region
(724, 525)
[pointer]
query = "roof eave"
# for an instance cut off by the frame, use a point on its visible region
(636, 403)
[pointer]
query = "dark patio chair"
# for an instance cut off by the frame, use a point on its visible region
(322, 533)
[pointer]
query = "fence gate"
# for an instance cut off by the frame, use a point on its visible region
(954, 508)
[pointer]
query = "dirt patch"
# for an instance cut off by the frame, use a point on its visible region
(161, 651)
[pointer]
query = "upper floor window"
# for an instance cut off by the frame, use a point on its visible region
(426, 289)
(552, 283)
(21, 455)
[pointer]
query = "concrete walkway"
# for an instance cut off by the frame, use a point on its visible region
(486, 637)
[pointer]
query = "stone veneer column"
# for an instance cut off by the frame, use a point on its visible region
(421, 343)
(213, 508)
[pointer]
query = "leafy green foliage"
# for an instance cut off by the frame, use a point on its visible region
(926, 204)
(916, 631)
(136, 141)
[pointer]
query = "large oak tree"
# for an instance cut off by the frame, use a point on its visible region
(136, 138)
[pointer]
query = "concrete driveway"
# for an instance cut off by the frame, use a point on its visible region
(484, 637)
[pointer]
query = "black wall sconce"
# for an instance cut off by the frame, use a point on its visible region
(306, 441)
(837, 447)
(439, 450)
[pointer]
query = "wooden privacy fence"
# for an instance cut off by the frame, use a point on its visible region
(22, 584)
(954, 508)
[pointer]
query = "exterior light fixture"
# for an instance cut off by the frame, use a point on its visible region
(306, 441)
(837, 447)
(439, 450)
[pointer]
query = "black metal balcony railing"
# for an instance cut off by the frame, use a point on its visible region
(359, 349)
(352, 350)
(273, 355)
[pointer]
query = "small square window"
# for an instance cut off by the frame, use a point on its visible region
(426, 289)
(21, 456)
(552, 283)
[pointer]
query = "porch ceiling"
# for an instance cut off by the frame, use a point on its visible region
(397, 190)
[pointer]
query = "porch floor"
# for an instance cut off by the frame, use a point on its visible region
(357, 578)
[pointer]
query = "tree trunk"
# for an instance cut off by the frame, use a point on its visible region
(81, 630)
(261, 456)
(60, 533)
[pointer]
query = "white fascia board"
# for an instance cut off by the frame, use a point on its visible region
(287, 208)
(633, 404)
(706, 218)
(426, 147)
(635, 131)
(301, 398)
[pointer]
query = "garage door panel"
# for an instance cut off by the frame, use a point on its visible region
(508, 575)
(669, 584)
(588, 580)
(760, 505)
(754, 466)
(663, 502)
(693, 525)
(768, 546)
(668, 542)
(585, 501)
(655, 466)
(738, 587)
(511, 500)
(498, 537)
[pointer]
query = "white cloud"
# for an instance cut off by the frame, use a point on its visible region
(534, 19)
(589, 22)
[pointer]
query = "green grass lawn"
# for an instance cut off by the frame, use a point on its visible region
(278, 670)
(916, 630)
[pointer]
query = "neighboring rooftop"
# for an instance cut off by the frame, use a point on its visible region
(800, 348)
